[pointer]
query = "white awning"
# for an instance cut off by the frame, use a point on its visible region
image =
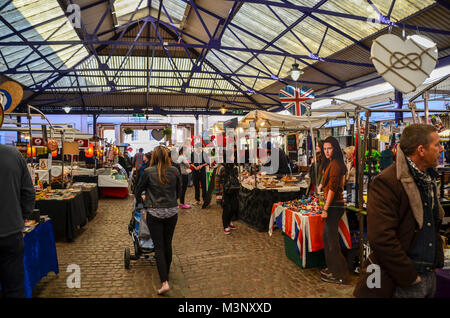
(263, 119)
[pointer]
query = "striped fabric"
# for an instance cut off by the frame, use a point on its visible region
(305, 230)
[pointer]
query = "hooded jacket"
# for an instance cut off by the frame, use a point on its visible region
(394, 217)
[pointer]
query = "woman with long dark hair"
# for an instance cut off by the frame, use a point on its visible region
(162, 185)
(333, 185)
(316, 167)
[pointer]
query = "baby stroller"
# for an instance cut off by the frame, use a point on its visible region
(143, 245)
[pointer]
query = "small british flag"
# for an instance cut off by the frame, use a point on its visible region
(293, 99)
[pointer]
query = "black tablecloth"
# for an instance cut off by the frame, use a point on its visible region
(255, 206)
(88, 179)
(66, 215)
(91, 202)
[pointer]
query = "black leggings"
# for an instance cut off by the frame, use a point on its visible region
(230, 206)
(185, 180)
(162, 231)
(336, 263)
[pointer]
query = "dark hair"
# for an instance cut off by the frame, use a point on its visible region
(337, 155)
(141, 149)
(148, 155)
(181, 151)
(415, 135)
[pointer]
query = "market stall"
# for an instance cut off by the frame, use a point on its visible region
(40, 257)
(301, 222)
(113, 181)
(67, 210)
(259, 192)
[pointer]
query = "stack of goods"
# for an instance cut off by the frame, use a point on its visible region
(31, 224)
(309, 206)
(270, 182)
(289, 180)
(84, 186)
(65, 194)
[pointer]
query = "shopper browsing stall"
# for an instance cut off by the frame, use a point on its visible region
(162, 186)
(403, 220)
(350, 176)
(185, 171)
(199, 173)
(333, 186)
(227, 191)
(316, 167)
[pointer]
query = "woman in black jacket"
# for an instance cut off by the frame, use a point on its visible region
(162, 185)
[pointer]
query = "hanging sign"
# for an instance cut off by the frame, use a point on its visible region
(294, 99)
(11, 94)
(404, 64)
(82, 143)
(158, 134)
(38, 142)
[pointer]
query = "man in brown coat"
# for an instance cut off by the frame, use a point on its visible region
(403, 220)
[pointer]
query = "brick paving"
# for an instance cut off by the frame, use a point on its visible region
(206, 263)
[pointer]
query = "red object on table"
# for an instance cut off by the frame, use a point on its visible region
(114, 192)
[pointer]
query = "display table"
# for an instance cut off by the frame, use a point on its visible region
(255, 204)
(111, 187)
(40, 256)
(305, 230)
(66, 215)
(91, 202)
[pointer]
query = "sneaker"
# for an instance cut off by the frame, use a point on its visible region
(181, 206)
(227, 231)
(331, 279)
(325, 272)
(232, 227)
(186, 206)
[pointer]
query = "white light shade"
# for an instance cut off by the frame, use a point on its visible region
(295, 72)
(67, 109)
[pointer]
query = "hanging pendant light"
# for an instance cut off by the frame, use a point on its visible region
(223, 110)
(295, 72)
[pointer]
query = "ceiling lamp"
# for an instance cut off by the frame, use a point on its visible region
(223, 110)
(295, 72)
(67, 109)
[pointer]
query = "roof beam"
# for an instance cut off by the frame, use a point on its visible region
(304, 9)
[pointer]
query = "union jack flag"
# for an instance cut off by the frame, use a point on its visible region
(293, 99)
(306, 230)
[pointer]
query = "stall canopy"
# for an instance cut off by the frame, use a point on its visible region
(263, 119)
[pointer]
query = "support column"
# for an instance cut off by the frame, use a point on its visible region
(117, 134)
(398, 105)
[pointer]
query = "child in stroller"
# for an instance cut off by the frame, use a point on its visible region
(142, 241)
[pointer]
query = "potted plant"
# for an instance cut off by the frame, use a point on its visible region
(168, 133)
(128, 131)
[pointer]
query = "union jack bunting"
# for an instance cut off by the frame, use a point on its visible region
(293, 99)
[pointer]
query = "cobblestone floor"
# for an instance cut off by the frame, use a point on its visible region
(206, 263)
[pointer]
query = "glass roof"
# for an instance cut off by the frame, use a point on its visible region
(255, 21)
(124, 10)
(38, 20)
(163, 79)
